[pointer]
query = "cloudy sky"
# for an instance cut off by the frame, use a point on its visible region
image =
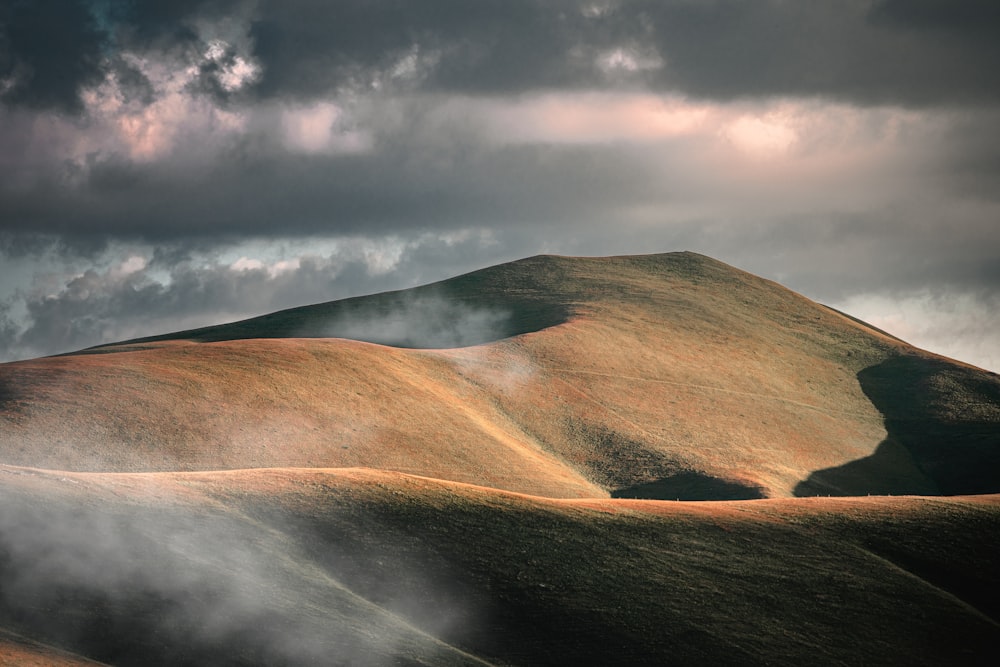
(165, 165)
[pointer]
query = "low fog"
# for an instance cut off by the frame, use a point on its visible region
(131, 574)
(421, 320)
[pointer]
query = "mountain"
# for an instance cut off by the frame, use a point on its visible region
(664, 376)
(475, 472)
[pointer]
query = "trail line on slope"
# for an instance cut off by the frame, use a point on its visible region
(944, 592)
(739, 392)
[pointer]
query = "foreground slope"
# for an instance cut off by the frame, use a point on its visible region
(659, 376)
(365, 567)
(19, 650)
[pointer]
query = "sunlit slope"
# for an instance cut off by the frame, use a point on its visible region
(266, 403)
(23, 652)
(364, 567)
(661, 376)
(680, 376)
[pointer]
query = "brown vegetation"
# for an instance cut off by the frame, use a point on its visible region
(365, 567)
(412, 502)
(659, 370)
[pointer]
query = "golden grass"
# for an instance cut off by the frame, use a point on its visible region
(663, 365)
(230, 497)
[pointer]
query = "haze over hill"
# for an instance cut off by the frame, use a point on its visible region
(472, 472)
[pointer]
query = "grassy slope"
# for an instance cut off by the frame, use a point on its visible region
(665, 376)
(672, 376)
(268, 403)
(23, 652)
(382, 568)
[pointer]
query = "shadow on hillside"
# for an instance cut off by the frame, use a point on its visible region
(690, 485)
(943, 433)
(420, 318)
(473, 309)
(12, 393)
(7, 395)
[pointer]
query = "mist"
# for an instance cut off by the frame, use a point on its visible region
(424, 319)
(128, 570)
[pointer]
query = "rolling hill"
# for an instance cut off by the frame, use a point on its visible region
(665, 376)
(474, 472)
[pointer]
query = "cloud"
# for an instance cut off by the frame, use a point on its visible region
(320, 128)
(50, 51)
(861, 52)
(922, 53)
(760, 136)
(153, 579)
(858, 135)
(958, 324)
(425, 320)
(874, 53)
(148, 291)
(582, 118)
(194, 171)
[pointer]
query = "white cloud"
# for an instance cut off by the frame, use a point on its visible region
(956, 324)
(234, 71)
(152, 131)
(128, 293)
(628, 60)
(246, 264)
(321, 128)
(583, 118)
(132, 264)
(760, 136)
(273, 269)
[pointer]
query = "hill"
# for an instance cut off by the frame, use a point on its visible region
(366, 567)
(475, 473)
(664, 376)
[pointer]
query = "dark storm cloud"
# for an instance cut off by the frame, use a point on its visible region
(893, 52)
(140, 22)
(836, 146)
(401, 187)
(975, 18)
(490, 46)
(928, 52)
(970, 160)
(49, 51)
(913, 53)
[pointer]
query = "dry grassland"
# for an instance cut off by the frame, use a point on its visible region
(292, 566)
(474, 473)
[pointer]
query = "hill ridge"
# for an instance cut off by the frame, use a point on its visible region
(670, 374)
(484, 483)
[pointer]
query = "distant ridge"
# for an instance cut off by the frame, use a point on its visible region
(523, 291)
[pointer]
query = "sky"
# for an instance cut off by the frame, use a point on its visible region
(171, 165)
